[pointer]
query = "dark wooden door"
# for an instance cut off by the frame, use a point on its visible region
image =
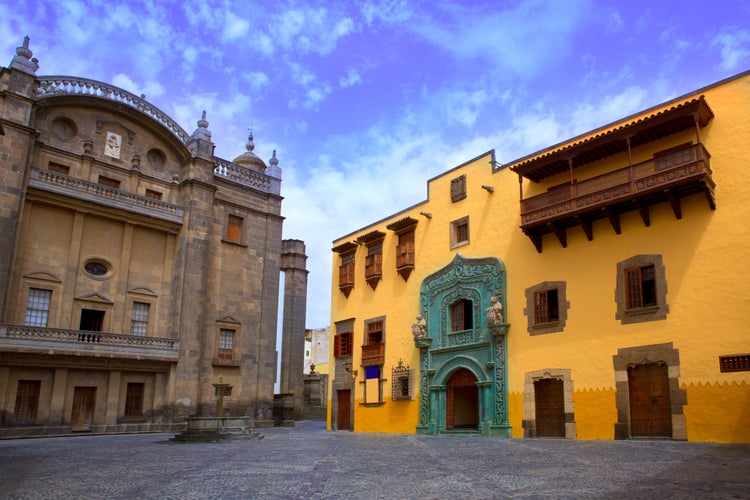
(343, 415)
(462, 401)
(650, 404)
(549, 403)
(83, 408)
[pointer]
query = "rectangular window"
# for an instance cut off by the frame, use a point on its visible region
(546, 306)
(134, 399)
(403, 383)
(640, 287)
(346, 271)
(27, 401)
(234, 228)
(226, 344)
(375, 332)
(461, 316)
(460, 232)
(109, 182)
(735, 363)
(342, 344)
(156, 195)
(405, 250)
(37, 307)
(374, 261)
(372, 384)
(57, 167)
(139, 320)
(92, 320)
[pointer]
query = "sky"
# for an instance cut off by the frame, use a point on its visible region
(365, 101)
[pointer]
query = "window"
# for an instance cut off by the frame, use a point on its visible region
(134, 399)
(641, 291)
(234, 228)
(139, 320)
(403, 383)
(342, 344)
(462, 317)
(27, 401)
(37, 307)
(156, 195)
(460, 232)
(372, 385)
(734, 363)
(640, 287)
(109, 182)
(346, 273)
(59, 168)
(546, 307)
(226, 345)
(92, 320)
(375, 332)
(374, 264)
(373, 352)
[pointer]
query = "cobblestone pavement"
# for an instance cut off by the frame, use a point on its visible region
(308, 462)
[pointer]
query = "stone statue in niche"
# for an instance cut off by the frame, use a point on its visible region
(494, 312)
(113, 144)
(419, 329)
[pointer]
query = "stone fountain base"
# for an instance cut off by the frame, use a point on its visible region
(211, 429)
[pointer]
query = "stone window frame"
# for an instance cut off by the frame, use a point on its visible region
(648, 313)
(627, 357)
(399, 375)
(529, 401)
(455, 232)
(562, 308)
(138, 320)
(227, 326)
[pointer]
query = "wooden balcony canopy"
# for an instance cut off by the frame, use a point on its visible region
(641, 131)
(669, 176)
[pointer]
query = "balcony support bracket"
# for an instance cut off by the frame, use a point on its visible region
(536, 239)
(587, 227)
(561, 234)
(675, 202)
(643, 210)
(614, 219)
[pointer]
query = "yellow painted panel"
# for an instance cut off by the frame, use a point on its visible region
(595, 413)
(718, 412)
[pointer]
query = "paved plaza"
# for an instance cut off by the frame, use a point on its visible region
(308, 462)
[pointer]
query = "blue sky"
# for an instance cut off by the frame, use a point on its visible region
(366, 100)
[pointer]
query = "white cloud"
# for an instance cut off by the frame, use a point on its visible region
(734, 45)
(234, 27)
(150, 89)
(352, 78)
(256, 79)
(387, 11)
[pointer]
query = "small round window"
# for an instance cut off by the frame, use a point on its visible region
(96, 268)
(64, 128)
(156, 159)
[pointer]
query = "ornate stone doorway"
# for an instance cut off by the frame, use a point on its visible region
(462, 354)
(462, 401)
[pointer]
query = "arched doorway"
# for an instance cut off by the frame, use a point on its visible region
(462, 408)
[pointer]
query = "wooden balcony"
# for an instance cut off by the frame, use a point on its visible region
(373, 354)
(667, 177)
(42, 340)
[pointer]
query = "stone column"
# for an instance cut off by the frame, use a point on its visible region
(57, 401)
(113, 397)
(293, 262)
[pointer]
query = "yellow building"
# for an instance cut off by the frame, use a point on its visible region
(610, 303)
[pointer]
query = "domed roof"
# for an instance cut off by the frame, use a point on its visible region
(249, 159)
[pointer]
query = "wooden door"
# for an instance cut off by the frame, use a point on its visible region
(650, 403)
(343, 415)
(83, 408)
(462, 401)
(549, 403)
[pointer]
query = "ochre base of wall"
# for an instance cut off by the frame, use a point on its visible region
(718, 412)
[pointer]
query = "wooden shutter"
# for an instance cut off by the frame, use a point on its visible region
(633, 292)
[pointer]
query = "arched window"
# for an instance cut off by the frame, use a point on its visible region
(462, 317)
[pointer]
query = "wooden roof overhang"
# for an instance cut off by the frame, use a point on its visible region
(615, 140)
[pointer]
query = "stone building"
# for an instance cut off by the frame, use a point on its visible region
(595, 289)
(136, 267)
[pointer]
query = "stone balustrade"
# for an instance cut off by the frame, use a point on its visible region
(56, 85)
(32, 339)
(97, 193)
(246, 177)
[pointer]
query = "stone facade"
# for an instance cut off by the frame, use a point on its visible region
(136, 267)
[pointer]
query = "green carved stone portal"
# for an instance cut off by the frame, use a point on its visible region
(463, 305)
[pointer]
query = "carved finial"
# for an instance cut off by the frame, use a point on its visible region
(202, 123)
(23, 50)
(273, 161)
(22, 60)
(250, 144)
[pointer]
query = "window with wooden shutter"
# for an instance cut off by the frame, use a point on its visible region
(234, 228)
(546, 306)
(461, 314)
(640, 287)
(641, 291)
(405, 250)
(342, 344)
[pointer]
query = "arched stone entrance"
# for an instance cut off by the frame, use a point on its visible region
(462, 357)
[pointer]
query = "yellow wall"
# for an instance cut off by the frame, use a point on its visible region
(704, 253)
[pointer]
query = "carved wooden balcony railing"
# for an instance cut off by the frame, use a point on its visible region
(668, 176)
(373, 354)
(82, 189)
(42, 340)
